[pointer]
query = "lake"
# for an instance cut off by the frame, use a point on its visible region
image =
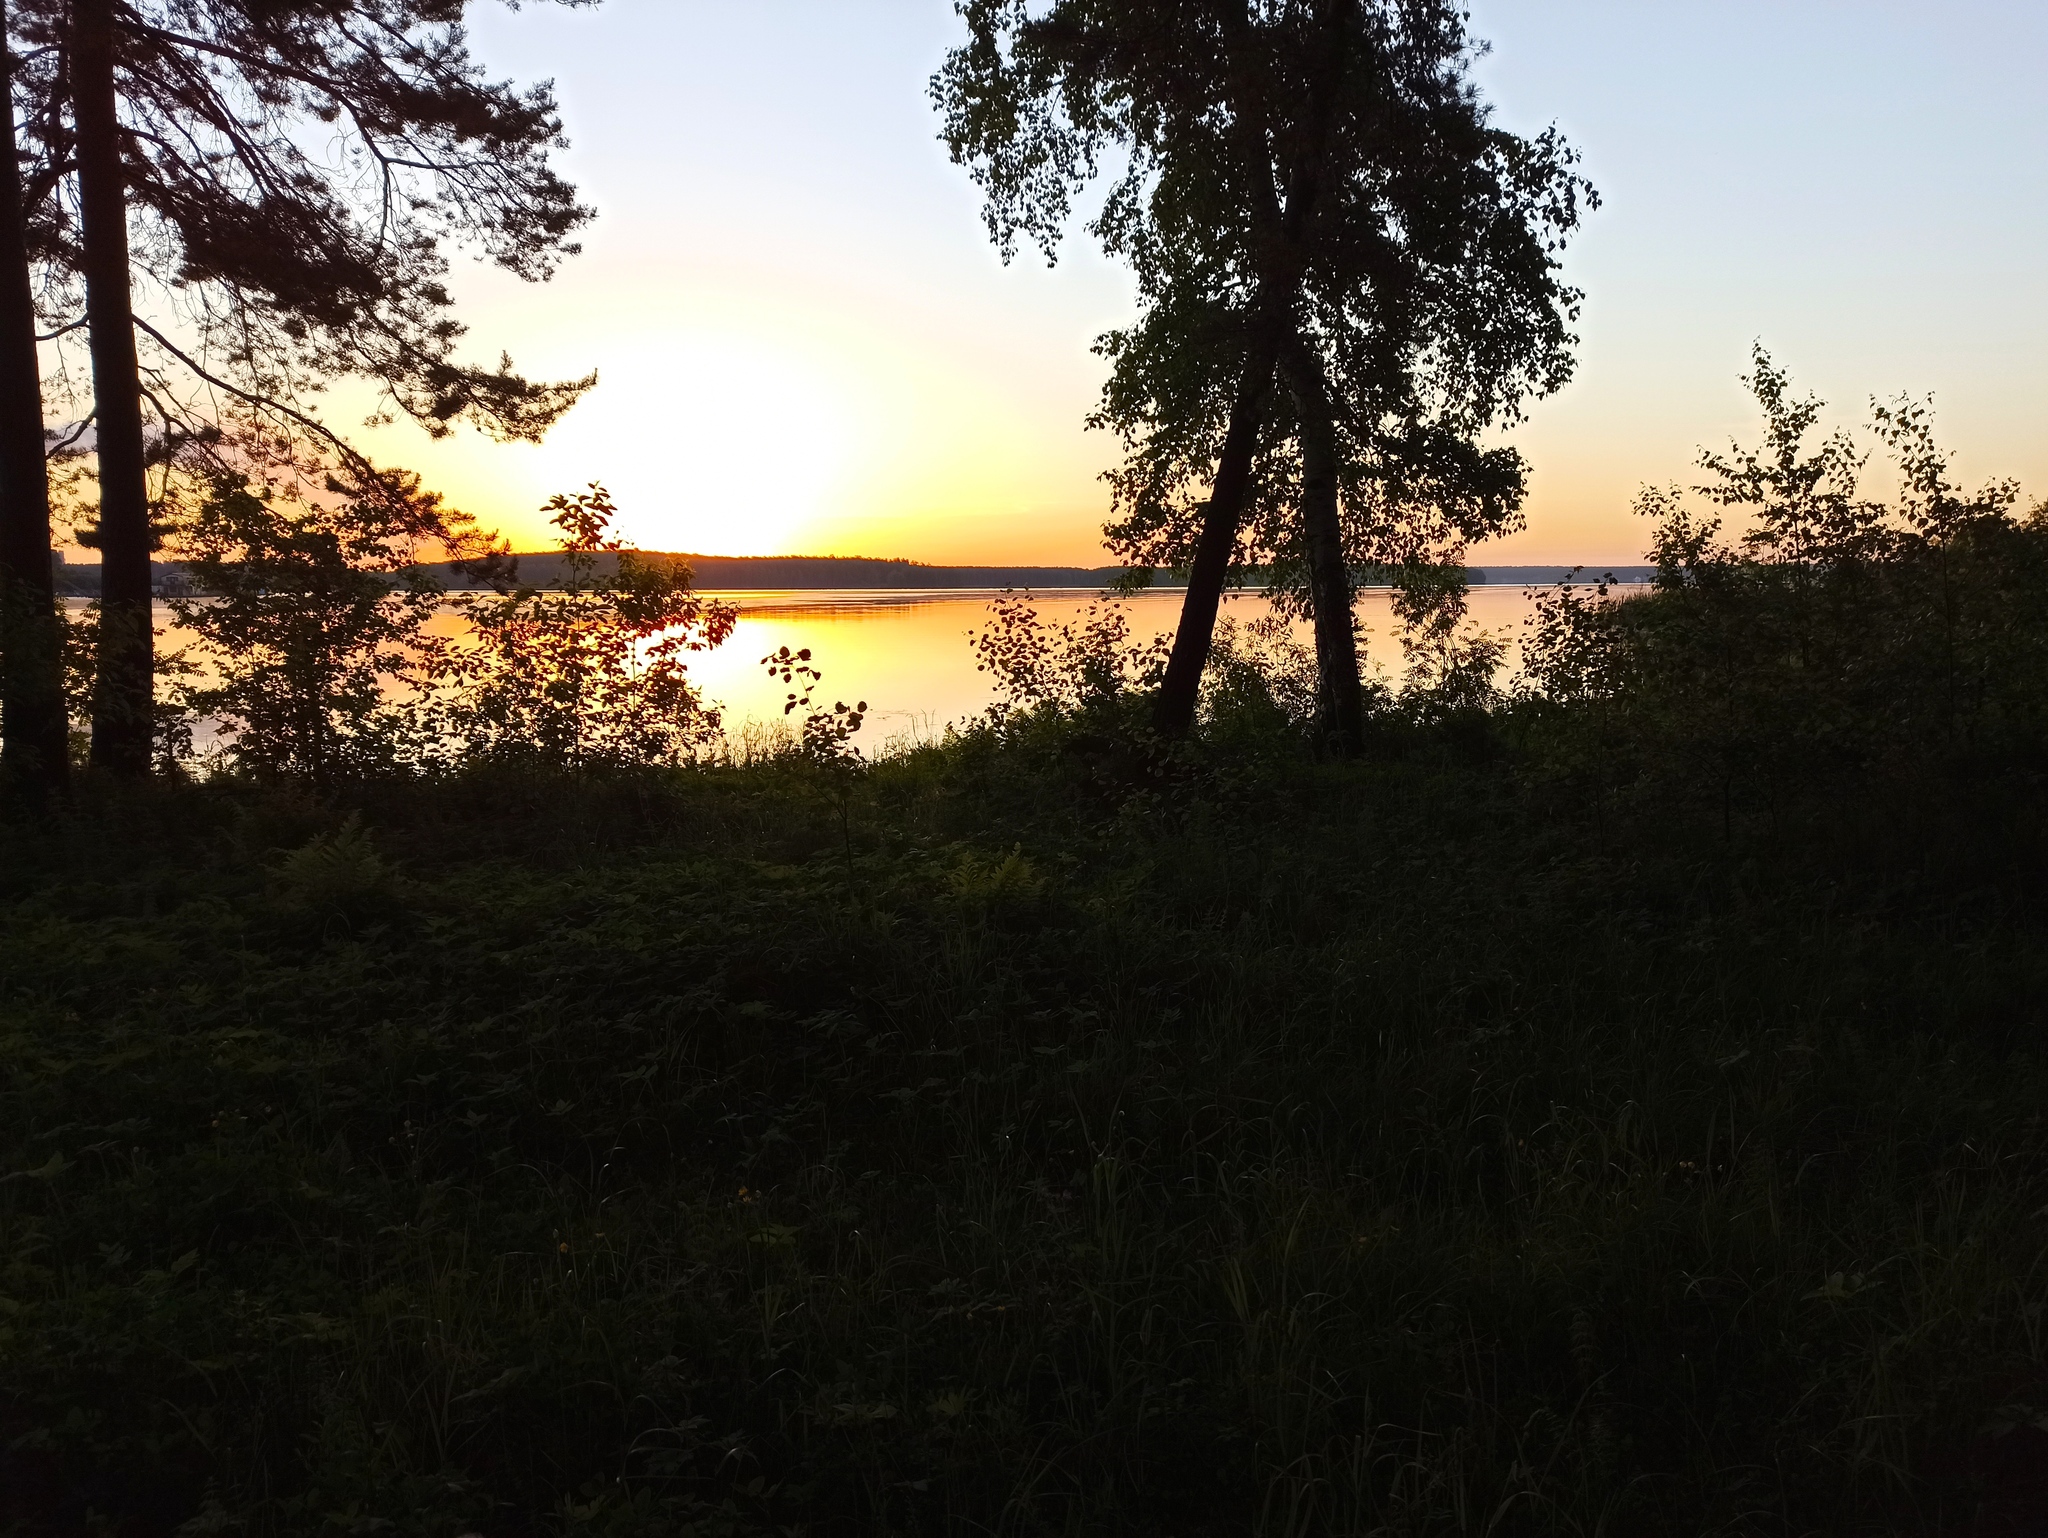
(908, 652)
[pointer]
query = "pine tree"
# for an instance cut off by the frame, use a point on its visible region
(33, 729)
(174, 182)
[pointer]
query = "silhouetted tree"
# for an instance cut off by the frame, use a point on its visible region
(33, 729)
(281, 175)
(307, 609)
(1307, 184)
(591, 669)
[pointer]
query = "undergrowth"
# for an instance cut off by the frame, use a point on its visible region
(975, 1146)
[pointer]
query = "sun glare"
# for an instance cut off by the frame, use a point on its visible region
(713, 442)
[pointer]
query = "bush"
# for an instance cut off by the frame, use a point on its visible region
(588, 671)
(313, 617)
(1838, 634)
(1087, 671)
(317, 658)
(1260, 684)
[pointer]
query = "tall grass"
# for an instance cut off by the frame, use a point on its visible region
(1423, 1147)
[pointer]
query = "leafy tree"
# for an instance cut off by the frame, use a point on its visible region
(591, 670)
(1307, 186)
(1836, 631)
(313, 612)
(276, 180)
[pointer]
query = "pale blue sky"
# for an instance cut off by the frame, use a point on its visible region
(808, 344)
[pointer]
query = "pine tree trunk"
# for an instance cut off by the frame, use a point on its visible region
(36, 752)
(124, 691)
(1173, 713)
(1329, 574)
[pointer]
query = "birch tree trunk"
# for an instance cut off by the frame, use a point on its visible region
(1174, 710)
(1329, 574)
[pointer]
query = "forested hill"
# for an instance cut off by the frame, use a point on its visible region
(742, 572)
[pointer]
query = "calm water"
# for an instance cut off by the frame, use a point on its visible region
(909, 655)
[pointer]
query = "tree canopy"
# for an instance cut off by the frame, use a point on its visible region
(1315, 185)
(295, 172)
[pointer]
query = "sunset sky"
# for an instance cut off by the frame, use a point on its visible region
(808, 345)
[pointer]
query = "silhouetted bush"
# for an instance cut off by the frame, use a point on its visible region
(318, 656)
(1839, 634)
(588, 670)
(311, 621)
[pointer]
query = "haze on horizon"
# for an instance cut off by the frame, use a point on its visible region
(807, 344)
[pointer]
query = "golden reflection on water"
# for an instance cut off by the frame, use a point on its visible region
(908, 653)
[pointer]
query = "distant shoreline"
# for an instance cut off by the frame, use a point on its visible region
(757, 573)
(787, 573)
(851, 574)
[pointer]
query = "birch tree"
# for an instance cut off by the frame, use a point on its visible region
(1347, 275)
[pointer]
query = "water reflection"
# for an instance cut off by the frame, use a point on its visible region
(908, 654)
(907, 651)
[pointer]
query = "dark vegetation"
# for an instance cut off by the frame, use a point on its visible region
(447, 1086)
(1612, 1105)
(1347, 275)
(233, 204)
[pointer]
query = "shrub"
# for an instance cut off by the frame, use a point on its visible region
(1837, 632)
(588, 670)
(316, 657)
(1082, 669)
(1260, 683)
(313, 617)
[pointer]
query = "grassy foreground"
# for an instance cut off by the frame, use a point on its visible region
(1423, 1147)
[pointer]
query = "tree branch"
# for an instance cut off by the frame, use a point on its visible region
(264, 402)
(76, 433)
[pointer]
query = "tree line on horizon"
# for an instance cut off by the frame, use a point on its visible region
(726, 573)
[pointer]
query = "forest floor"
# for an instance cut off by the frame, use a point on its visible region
(973, 1145)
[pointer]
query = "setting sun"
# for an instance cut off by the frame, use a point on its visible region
(719, 440)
